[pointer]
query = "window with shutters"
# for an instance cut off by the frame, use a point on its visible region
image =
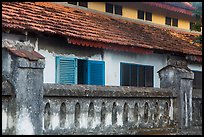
(197, 81)
(95, 72)
(79, 71)
(136, 75)
(66, 70)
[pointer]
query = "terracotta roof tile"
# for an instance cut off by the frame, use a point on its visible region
(72, 22)
(184, 5)
(172, 6)
(33, 55)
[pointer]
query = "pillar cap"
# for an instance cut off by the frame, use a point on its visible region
(30, 55)
(178, 67)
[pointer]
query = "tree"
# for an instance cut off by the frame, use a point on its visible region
(198, 14)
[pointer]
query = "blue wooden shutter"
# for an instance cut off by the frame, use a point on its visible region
(96, 72)
(66, 70)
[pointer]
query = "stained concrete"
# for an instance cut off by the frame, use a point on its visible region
(31, 107)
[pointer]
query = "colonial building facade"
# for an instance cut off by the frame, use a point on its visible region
(84, 45)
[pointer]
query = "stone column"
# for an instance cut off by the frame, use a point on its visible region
(179, 78)
(24, 70)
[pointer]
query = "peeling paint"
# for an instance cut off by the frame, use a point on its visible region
(24, 124)
(72, 94)
(186, 110)
(70, 121)
(36, 44)
(96, 122)
(83, 120)
(4, 120)
(10, 121)
(120, 119)
(55, 121)
(108, 119)
(171, 110)
(190, 103)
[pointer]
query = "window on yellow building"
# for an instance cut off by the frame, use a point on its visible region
(171, 21)
(118, 9)
(114, 9)
(148, 16)
(168, 21)
(74, 3)
(83, 4)
(109, 8)
(175, 22)
(144, 15)
(140, 14)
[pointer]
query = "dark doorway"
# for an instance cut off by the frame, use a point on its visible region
(81, 71)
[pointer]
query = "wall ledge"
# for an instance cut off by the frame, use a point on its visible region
(104, 91)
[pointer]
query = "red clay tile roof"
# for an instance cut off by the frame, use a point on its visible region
(180, 7)
(31, 55)
(75, 23)
(184, 5)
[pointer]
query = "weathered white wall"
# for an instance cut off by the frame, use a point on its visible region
(49, 71)
(114, 58)
(195, 67)
(52, 47)
(112, 64)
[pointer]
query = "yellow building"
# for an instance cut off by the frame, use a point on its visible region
(174, 14)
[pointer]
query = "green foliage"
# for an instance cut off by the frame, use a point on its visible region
(198, 14)
(196, 26)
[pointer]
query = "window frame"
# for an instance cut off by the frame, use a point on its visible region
(143, 12)
(200, 88)
(137, 68)
(78, 4)
(146, 16)
(112, 7)
(57, 74)
(113, 10)
(167, 22)
(85, 6)
(73, 3)
(173, 21)
(95, 62)
(86, 70)
(121, 10)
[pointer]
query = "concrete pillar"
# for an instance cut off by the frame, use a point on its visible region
(179, 78)
(24, 70)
